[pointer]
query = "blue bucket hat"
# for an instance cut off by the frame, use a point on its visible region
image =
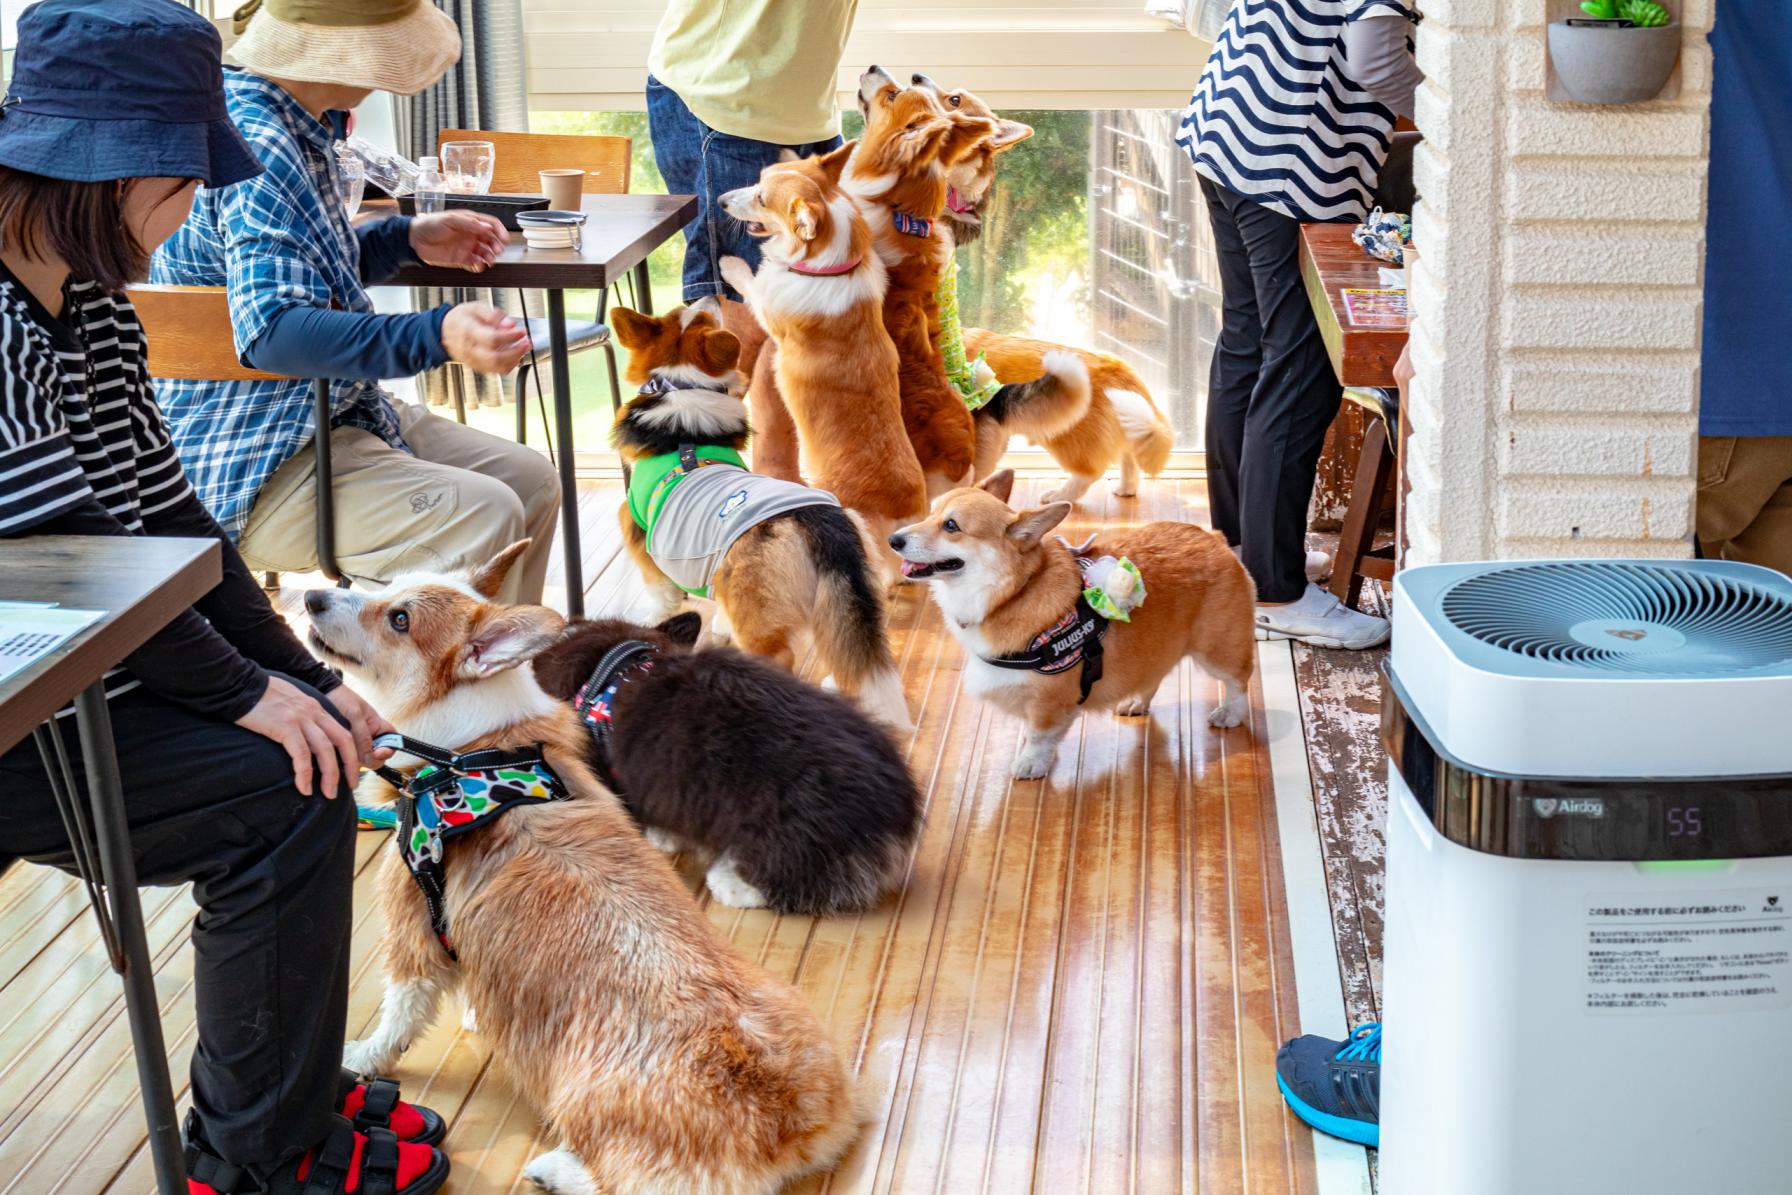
(107, 89)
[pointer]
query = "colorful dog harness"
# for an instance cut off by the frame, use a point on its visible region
(1074, 639)
(451, 795)
(596, 699)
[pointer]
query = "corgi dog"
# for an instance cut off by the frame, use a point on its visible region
(1035, 649)
(1087, 418)
(784, 562)
(819, 292)
(791, 798)
(664, 1061)
(898, 173)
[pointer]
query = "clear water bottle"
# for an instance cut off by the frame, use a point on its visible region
(432, 190)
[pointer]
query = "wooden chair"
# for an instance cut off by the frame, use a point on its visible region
(189, 334)
(519, 160)
(1371, 495)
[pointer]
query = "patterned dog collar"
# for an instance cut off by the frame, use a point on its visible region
(595, 702)
(915, 226)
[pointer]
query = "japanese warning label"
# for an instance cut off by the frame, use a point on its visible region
(1692, 952)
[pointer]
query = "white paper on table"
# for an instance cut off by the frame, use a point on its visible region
(29, 632)
(1393, 279)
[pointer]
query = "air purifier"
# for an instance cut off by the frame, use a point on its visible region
(1588, 973)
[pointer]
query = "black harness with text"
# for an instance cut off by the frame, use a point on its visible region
(1074, 639)
(596, 699)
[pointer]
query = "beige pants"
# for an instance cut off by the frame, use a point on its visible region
(1745, 499)
(460, 500)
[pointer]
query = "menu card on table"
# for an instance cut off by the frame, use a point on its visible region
(1374, 308)
(29, 632)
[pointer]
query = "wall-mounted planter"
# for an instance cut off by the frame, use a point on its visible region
(1612, 63)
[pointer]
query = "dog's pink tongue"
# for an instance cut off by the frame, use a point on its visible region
(953, 201)
(910, 568)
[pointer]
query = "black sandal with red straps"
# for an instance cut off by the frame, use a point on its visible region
(374, 1162)
(374, 1104)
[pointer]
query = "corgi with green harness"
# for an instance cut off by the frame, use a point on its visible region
(786, 563)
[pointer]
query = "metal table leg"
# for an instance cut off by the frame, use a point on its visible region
(110, 875)
(569, 482)
(645, 287)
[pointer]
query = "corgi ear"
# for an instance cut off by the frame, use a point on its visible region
(489, 577)
(1031, 526)
(966, 134)
(1010, 133)
(804, 219)
(923, 141)
(833, 163)
(507, 638)
(682, 628)
(1000, 483)
(718, 352)
(632, 328)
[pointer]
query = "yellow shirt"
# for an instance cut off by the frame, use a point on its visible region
(765, 70)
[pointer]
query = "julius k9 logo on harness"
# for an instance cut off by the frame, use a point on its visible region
(451, 795)
(1074, 639)
(595, 701)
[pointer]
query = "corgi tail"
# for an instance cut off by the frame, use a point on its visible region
(848, 626)
(1048, 405)
(1148, 433)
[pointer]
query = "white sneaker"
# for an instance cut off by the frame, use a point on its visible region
(1319, 566)
(1322, 620)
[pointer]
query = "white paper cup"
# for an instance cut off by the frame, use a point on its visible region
(563, 188)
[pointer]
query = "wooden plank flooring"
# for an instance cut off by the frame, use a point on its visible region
(1080, 989)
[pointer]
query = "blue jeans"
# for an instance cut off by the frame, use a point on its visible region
(696, 160)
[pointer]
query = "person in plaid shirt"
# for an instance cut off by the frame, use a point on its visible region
(414, 492)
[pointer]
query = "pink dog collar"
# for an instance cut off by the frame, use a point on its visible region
(796, 267)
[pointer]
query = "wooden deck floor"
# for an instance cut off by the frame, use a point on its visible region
(1081, 988)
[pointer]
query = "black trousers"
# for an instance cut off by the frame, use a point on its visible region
(1271, 394)
(273, 872)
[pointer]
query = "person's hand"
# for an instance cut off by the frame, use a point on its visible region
(317, 742)
(467, 240)
(364, 722)
(483, 338)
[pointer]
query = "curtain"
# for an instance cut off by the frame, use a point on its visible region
(486, 89)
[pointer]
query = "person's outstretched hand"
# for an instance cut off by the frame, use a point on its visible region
(483, 338)
(468, 240)
(318, 744)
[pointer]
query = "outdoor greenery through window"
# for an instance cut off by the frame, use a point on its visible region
(1092, 238)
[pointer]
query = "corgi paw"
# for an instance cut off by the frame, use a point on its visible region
(1133, 707)
(1033, 764)
(469, 1019)
(364, 1058)
(662, 840)
(560, 1172)
(1228, 713)
(736, 273)
(730, 888)
(1126, 489)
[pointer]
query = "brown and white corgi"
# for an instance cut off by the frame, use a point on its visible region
(1008, 594)
(819, 292)
(1086, 426)
(898, 172)
(664, 1061)
(802, 568)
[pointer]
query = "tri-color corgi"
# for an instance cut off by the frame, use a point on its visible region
(664, 1060)
(783, 561)
(819, 292)
(1015, 602)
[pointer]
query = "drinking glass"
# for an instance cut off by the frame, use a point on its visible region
(467, 166)
(353, 173)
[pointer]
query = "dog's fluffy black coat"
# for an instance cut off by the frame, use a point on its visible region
(733, 755)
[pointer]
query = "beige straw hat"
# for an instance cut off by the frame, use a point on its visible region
(400, 46)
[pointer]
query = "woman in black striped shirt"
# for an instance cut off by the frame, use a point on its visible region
(230, 733)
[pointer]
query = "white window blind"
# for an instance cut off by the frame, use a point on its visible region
(592, 54)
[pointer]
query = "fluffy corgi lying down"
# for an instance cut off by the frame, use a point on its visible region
(1009, 595)
(665, 1062)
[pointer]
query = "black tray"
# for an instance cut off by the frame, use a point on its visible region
(504, 207)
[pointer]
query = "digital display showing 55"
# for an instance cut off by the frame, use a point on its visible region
(1685, 821)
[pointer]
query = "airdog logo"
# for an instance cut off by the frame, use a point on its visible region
(1632, 634)
(1547, 807)
(735, 501)
(1773, 905)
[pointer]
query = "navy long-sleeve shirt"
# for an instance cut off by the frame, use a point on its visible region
(309, 342)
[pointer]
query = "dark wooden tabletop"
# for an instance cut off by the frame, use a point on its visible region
(1331, 262)
(620, 232)
(141, 582)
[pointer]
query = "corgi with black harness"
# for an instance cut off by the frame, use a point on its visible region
(785, 562)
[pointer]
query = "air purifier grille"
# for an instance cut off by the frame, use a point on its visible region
(1614, 616)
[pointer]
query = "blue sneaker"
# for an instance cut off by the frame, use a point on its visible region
(1335, 1086)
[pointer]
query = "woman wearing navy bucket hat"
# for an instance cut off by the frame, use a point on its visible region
(240, 748)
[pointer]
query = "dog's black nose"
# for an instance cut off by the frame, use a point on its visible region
(897, 540)
(316, 600)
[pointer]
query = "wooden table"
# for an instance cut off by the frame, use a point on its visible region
(1331, 262)
(141, 583)
(621, 231)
